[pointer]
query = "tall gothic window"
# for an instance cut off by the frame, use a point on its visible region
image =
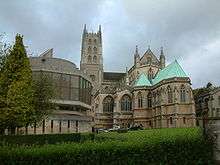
(95, 50)
(169, 95)
(140, 102)
(90, 41)
(108, 104)
(95, 41)
(184, 120)
(89, 59)
(89, 49)
(126, 103)
(154, 98)
(95, 59)
(150, 74)
(171, 120)
(149, 60)
(149, 100)
(182, 94)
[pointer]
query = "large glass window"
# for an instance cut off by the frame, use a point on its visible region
(108, 104)
(65, 86)
(85, 90)
(69, 87)
(126, 103)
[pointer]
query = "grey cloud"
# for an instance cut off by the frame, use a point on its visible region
(186, 29)
(47, 24)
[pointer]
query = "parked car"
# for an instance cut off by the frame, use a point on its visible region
(102, 130)
(134, 128)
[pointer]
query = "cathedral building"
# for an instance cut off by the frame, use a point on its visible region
(150, 94)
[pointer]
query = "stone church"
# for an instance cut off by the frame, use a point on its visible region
(149, 94)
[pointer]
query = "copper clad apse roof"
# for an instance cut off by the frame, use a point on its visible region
(170, 71)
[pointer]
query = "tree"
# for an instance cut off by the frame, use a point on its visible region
(43, 95)
(16, 88)
(209, 85)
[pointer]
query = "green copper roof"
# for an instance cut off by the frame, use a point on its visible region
(172, 70)
(142, 81)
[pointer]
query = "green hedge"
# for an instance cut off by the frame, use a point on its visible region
(44, 139)
(165, 146)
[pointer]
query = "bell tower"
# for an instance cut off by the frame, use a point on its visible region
(91, 56)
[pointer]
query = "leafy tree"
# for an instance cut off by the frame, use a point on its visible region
(209, 85)
(43, 94)
(16, 88)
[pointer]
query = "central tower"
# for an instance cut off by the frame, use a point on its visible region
(91, 56)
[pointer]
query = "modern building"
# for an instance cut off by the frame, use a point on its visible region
(150, 93)
(72, 101)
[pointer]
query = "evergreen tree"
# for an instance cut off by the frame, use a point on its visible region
(16, 88)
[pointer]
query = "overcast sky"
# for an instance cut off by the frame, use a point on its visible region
(188, 30)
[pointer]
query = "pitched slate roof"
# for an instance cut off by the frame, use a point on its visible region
(115, 76)
(142, 81)
(170, 71)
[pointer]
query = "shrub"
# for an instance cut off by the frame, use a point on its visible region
(122, 130)
(44, 139)
(165, 146)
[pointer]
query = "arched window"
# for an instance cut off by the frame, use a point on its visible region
(89, 59)
(158, 97)
(154, 99)
(182, 94)
(149, 60)
(90, 41)
(95, 50)
(95, 41)
(171, 120)
(184, 120)
(95, 59)
(149, 100)
(126, 103)
(89, 49)
(108, 104)
(150, 74)
(169, 95)
(140, 102)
